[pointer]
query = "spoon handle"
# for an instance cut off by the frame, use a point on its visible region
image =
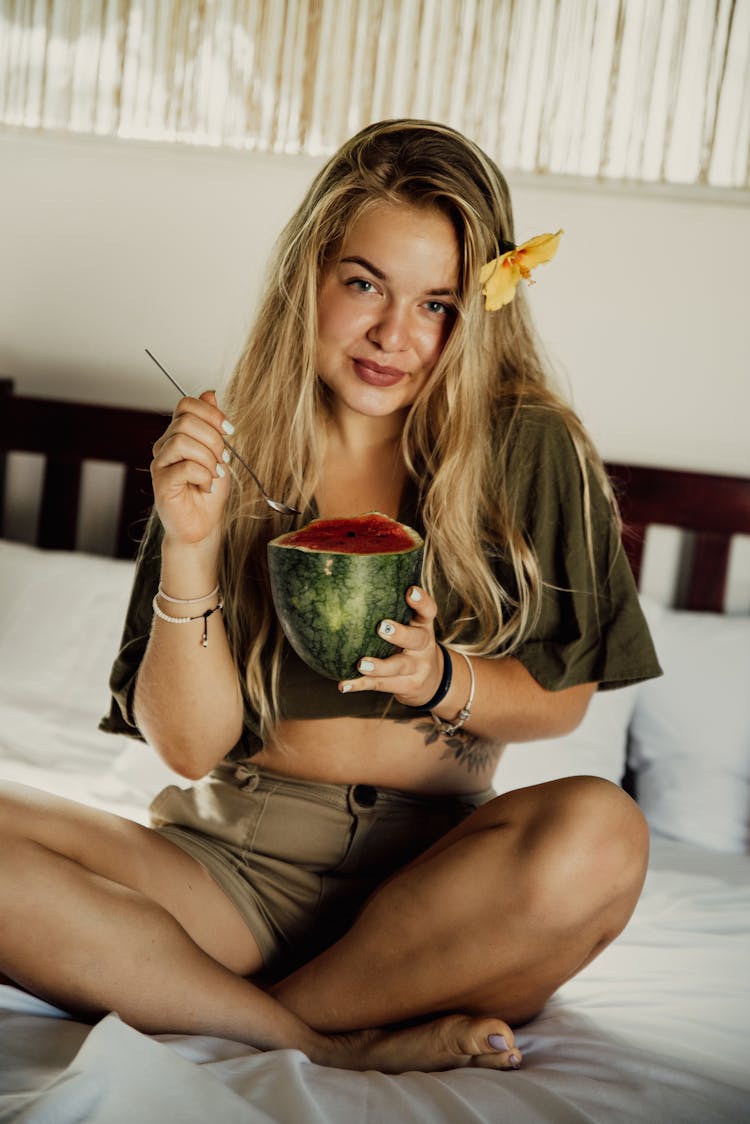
(284, 508)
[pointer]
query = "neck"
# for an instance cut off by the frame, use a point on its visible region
(359, 436)
(363, 469)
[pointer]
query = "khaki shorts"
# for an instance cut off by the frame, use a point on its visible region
(299, 858)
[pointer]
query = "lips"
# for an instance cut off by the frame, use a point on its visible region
(375, 375)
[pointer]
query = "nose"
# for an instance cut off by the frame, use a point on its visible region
(390, 331)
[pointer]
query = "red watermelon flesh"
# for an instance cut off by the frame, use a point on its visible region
(361, 534)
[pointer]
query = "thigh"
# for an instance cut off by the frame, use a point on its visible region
(139, 858)
(583, 812)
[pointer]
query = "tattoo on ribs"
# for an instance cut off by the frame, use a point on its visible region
(464, 748)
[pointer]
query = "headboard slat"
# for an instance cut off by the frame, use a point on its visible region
(633, 540)
(707, 584)
(135, 507)
(58, 514)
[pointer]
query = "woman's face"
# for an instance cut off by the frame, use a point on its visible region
(386, 308)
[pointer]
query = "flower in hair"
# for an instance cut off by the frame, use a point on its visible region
(500, 276)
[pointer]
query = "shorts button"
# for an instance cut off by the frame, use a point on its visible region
(365, 795)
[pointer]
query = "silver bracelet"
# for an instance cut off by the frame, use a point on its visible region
(464, 713)
(185, 600)
(186, 620)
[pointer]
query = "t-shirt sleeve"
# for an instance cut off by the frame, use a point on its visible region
(120, 719)
(591, 628)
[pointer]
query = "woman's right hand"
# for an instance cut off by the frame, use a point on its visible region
(189, 475)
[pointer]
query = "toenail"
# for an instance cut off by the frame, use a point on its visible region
(515, 1061)
(497, 1042)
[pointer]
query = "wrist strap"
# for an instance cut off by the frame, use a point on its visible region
(185, 600)
(464, 713)
(443, 687)
(186, 620)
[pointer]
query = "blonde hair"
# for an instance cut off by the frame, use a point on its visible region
(490, 368)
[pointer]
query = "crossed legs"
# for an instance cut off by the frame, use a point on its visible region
(493, 918)
(98, 914)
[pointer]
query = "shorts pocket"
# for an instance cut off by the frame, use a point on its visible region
(301, 830)
(213, 808)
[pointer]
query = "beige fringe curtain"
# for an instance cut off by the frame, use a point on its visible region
(649, 90)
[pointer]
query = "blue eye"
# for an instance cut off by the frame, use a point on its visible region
(440, 308)
(361, 285)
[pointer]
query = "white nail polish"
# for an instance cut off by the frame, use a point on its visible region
(212, 489)
(416, 595)
(226, 456)
(366, 665)
(220, 470)
(227, 427)
(345, 688)
(386, 629)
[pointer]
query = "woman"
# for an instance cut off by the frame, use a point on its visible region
(344, 863)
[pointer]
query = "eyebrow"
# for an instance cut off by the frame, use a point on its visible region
(373, 269)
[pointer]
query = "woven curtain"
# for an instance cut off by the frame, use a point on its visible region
(645, 90)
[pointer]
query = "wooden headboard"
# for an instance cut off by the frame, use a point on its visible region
(68, 434)
(709, 509)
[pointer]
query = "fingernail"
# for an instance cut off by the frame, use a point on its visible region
(345, 688)
(220, 470)
(366, 665)
(212, 489)
(497, 1042)
(227, 427)
(416, 595)
(514, 1060)
(386, 629)
(226, 456)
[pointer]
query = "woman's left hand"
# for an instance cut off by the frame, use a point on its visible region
(412, 674)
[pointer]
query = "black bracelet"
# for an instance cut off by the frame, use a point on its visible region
(443, 687)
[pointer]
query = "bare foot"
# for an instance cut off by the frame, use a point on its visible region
(450, 1042)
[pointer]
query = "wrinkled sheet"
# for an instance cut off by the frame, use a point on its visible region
(656, 1029)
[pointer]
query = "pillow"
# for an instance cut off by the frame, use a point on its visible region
(61, 617)
(690, 746)
(597, 748)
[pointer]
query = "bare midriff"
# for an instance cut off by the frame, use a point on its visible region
(376, 751)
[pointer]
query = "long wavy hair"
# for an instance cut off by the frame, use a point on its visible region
(489, 370)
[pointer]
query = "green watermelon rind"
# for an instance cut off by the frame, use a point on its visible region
(330, 603)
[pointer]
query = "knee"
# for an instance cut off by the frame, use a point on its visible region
(604, 813)
(591, 841)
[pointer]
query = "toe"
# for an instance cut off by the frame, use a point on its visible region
(486, 1042)
(497, 1061)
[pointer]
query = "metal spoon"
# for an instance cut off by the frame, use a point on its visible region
(277, 505)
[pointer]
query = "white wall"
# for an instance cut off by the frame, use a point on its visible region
(111, 247)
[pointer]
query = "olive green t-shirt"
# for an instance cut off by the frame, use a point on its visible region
(590, 628)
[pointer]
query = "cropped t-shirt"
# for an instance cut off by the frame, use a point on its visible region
(590, 628)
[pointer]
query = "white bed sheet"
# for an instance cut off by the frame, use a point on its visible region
(656, 1029)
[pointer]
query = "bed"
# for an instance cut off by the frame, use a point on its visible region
(657, 1029)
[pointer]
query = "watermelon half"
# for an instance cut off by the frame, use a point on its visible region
(335, 580)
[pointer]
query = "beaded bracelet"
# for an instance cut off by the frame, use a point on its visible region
(443, 687)
(185, 600)
(186, 620)
(464, 713)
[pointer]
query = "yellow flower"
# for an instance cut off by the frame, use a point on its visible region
(500, 276)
